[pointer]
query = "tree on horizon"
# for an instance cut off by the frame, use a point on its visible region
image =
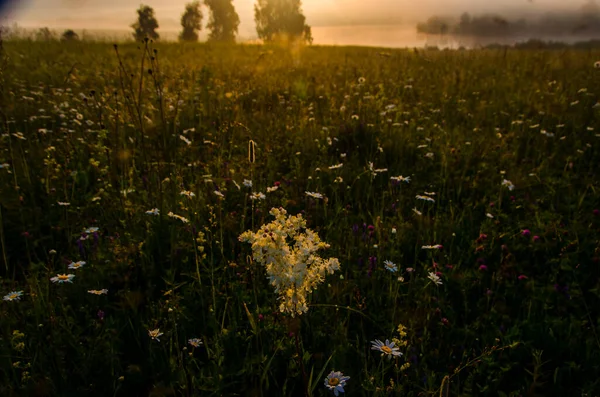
(69, 35)
(146, 24)
(224, 20)
(277, 18)
(191, 21)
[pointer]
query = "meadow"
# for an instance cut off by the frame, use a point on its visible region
(458, 191)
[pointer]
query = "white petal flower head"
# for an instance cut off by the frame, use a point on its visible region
(401, 178)
(388, 348)
(435, 278)
(314, 195)
(187, 193)
(154, 211)
(63, 278)
(390, 266)
(425, 198)
(13, 296)
(195, 342)
(508, 184)
(103, 291)
(336, 381)
(155, 333)
(76, 265)
(257, 196)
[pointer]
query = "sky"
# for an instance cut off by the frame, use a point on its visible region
(333, 21)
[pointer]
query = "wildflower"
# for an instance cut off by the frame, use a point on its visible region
(416, 211)
(393, 230)
(391, 266)
(271, 189)
(388, 348)
(187, 193)
(523, 277)
(339, 179)
(63, 204)
(361, 80)
(218, 193)
(247, 183)
(597, 64)
(335, 167)
(181, 218)
(187, 141)
(257, 196)
(13, 296)
(489, 215)
(508, 184)
(76, 265)
(314, 195)
(401, 178)
(195, 342)
(536, 238)
(294, 270)
(155, 333)
(336, 381)
(434, 278)
(153, 211)
(63, 278)
(91, 230)
(432, 247)
(425, 198)
(483, 267)
(525, 233)
(103, 291)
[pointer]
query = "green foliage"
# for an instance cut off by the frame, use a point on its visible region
(281, 19)
(146, 24)
(224, 20)
(191, 21)
(135, 142)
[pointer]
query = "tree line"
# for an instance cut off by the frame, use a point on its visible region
(274, 19)
(584, 22)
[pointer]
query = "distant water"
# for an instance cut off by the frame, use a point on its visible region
(397, 36)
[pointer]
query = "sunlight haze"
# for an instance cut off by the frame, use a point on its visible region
(376, 22)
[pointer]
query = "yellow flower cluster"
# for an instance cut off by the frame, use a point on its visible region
(287, 249)
(401, 341)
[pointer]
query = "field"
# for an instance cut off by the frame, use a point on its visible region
(457, 189)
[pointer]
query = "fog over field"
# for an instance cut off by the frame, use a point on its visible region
(377, 22)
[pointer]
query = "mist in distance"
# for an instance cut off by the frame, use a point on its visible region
(388, 23)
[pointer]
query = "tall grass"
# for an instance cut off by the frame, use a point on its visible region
(96, 136)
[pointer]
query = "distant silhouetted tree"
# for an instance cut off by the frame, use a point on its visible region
(44, 34)
(275, 18)
(69, 35)
(191, 21)
(224, 21)
(146, 24)
(434, 25)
